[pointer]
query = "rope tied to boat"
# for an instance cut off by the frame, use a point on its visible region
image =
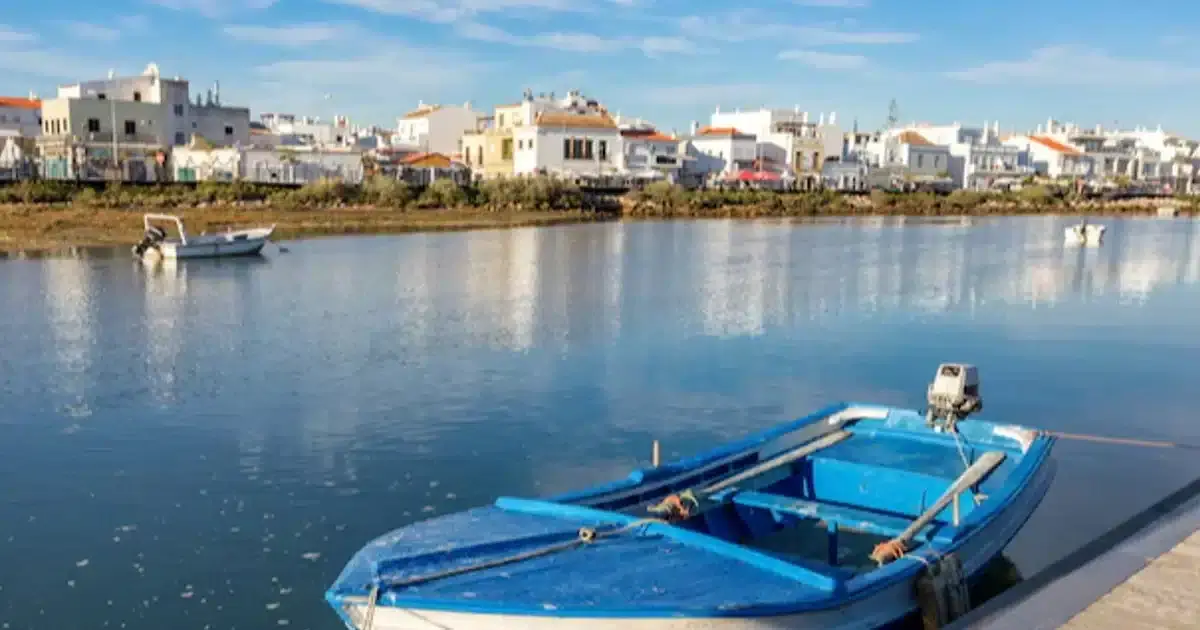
(676, 507)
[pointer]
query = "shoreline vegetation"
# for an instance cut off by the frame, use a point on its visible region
(43, 215)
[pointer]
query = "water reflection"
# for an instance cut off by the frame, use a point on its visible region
(301, 403)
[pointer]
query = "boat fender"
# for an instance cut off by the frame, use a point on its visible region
(942, 594)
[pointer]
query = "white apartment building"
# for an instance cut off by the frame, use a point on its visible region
(295, 130)
(1052, 158)
(788, 138)
(719, 152)
(435, 128)
(978, 158)
(646, 153)
(124, 126)
(575, 145)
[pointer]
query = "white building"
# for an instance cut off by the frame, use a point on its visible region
(21, 116)
(719, 152)
(788, 137)
(575, 145)
(309, 130)
(645, 153)
(435, 128)
(978, 158)
(279, 165)
(1052, 158)
(123, 126)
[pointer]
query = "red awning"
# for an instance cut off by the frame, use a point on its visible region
(747, 175)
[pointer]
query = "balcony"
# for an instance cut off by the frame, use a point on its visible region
(103, 137)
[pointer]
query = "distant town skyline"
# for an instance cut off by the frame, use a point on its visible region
(667, 61)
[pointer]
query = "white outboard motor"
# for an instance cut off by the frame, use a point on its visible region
(953, 395)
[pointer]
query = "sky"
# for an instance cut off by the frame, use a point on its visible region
(667, 61)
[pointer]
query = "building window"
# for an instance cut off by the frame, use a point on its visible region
(937, 161)
(179, 110)
(506, 149)
(479, 154)
(137, 97)
(229, 132)
(179, 139)
(604, 150)
(130, 127)
(500, 120)
(920, 160)
(93, 125)
(101, 96)
(567, 145)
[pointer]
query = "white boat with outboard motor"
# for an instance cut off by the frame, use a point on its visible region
(155, 245)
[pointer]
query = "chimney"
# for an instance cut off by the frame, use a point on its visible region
(1099, 129)
(821, 119)
(1039, 130)
(217, 92)
(796, 109)
(804, 117)
(996, 128)
(695, 127)
(718, 110)
(420, 104)
(833, 118)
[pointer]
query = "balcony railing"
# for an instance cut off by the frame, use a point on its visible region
(105, 137)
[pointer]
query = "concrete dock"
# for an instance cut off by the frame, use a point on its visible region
(1143, 574)
(1165, 594)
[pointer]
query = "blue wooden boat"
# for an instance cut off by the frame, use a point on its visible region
(829, 521)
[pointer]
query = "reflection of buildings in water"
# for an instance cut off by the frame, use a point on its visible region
(166, 295)
(523, 261)
(413, 289)
(613, 267)
(930, 267)
(732, 263)
(68, 291)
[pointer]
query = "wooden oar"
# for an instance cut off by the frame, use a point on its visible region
(896, 547)
(782, 459)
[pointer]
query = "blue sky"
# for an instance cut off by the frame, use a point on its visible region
(670, 61)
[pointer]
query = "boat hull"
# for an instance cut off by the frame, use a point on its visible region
(219, 249)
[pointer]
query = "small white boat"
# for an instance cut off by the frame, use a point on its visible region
(1084, 234)
(1168, 211)
(156, 245)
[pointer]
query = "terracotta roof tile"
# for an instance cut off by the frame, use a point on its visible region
(650, 135)
(426, 160)
(719, 131)
(912, 137)
(421, 112)
(20, 103)
(574, 121)
(1054, 145)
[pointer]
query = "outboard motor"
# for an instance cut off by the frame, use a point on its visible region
(154, 236)
(953, 395)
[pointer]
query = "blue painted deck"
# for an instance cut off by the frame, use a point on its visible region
(765, 546)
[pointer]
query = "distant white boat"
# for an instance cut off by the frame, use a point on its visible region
(1168, 211)
(157, 246)
(1084, 234)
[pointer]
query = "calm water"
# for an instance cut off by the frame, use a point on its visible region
(207, 445)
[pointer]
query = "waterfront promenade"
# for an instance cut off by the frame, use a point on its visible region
(1144, 574)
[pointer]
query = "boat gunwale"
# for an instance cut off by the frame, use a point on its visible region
(1019, 483)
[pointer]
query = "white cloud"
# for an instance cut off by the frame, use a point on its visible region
(833, 4)
(92, 32)
(10, 35)
(745, 25)
(215, 8)
(824, 60)
(579, 42)
(444, 11)
(1077, 66)
(289, 34)
(413, 68)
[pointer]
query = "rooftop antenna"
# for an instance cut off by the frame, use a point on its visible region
(893, 114)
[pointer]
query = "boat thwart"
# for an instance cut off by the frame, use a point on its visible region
(823, 522)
